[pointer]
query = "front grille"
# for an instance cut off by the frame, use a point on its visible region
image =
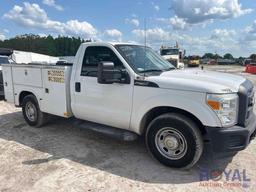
(246, 102)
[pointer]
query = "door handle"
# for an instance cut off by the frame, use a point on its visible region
(78, 87)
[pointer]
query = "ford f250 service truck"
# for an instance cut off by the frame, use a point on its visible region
(132, 88)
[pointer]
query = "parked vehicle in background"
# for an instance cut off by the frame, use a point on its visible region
(174, 55)
(208, 62)
(250, 66)
(4, 59)
(249, 62)
(194, 61)
(226, 61)
(31, 57)
(132, 88)
(212, 62)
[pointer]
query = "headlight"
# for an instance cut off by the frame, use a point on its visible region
(225, 106)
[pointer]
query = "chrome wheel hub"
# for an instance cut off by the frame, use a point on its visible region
(30, 110)
(171, 143)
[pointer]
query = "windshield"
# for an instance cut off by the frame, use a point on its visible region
(143, 59)
(3, 60)
(169, 52)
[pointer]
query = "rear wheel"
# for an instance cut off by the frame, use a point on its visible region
(32, 113)
(174, 140)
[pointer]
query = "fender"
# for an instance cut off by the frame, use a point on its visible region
(192, 102)
(35, 91)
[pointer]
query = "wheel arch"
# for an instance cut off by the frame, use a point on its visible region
(23, 94)
(157, 111)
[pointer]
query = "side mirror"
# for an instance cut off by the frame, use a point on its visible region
(107, 74)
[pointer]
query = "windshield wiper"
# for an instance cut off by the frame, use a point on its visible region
(151, 70)
(171, 68)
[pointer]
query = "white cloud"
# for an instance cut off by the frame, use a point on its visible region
(113, 35)
(155, 35)
(42, 35)
(251, 29)
(248, 37)
(134, 22)
(6, 31)
(52, 3)
(2, 37)
(223, 33)
(194, 45)
(204, 10)
(178, 23)
(31, 15)
(156, 7)
(2, 34)
(197, 10)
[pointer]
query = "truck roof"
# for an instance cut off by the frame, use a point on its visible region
(111, 43)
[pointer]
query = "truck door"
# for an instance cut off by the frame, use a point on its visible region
(109, 104)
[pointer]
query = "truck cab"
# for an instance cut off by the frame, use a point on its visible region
(174, 55)
(131, 88)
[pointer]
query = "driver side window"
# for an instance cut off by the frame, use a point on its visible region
(94, 55)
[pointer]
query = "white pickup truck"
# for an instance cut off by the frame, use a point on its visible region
(132, 88)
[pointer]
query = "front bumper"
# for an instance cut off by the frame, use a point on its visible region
(232, 139)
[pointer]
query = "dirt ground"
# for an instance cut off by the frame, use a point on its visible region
(65, 156)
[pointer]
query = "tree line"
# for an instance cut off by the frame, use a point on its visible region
(67, 46)
(59, 46)
(225, 56)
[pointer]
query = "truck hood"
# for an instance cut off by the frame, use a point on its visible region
(198, 80)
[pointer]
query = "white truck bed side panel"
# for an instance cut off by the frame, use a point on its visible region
(8, 83)
(50, 85)
(56, 93)
(27, 76)
(37, 91)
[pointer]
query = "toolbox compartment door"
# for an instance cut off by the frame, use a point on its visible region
(56, 91)
(28, 76)
(8, 83)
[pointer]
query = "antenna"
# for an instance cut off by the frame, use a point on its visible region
(145, 32)
(145, 44)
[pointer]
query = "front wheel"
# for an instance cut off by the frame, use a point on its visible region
(32, 113)
(174, 140)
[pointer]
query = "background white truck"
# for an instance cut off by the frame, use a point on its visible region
(174, 55)
(132, 88)
(4, 59)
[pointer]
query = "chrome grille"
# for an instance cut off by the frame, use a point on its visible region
(246, 102)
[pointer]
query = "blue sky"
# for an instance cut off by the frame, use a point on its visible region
(199, 26)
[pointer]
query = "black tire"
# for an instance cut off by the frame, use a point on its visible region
(40, 117)
(191, 137)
